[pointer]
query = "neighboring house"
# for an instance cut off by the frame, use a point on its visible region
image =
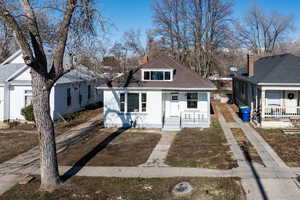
(158, 94)
(271, 87)
(71, 93)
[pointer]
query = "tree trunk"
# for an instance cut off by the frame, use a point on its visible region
(41, 107)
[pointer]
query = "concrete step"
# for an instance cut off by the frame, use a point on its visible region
(171, 129)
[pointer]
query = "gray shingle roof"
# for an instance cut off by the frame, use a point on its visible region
(7, 70)
(279, 69)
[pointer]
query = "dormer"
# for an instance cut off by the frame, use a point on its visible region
(157, 74)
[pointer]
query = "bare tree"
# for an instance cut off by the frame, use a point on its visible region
(193, 30)
(77, 22)
(263, 32)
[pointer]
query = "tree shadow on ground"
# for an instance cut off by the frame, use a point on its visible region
(87, 157)
(247, 155)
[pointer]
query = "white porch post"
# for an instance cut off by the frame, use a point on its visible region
(263, 103)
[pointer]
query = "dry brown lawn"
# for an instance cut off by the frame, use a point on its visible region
(15, 142)
(286, 146)
(84, 188)
(108, 148)
(247, 148)
(22, 137)
(205, 148)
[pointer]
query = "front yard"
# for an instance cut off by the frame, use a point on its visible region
(111, 148)
(22, 137)
(15, 142)
(80, 188)
(286, 146)
(205, 148)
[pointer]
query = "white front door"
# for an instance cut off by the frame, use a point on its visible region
(174, 105)
(291, 101)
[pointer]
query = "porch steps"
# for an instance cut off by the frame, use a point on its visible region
(171, 124)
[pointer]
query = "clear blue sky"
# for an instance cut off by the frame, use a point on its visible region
(137, 14)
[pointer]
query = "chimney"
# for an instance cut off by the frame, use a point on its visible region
(144, 60)
(250, 64)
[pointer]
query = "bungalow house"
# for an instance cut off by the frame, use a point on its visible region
(160, 93)
(271, 87)
(71, 93)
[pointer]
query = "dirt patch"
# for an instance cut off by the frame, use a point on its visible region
(247, 148)
(15, 142)
(224, 110)
(205, 148)
(286, 146)
(106, 148)
(79, 188)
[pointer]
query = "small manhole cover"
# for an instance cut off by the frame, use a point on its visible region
(182, 189)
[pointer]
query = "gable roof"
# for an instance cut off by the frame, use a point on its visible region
(279, 69)
(9, 71)
(183, 78)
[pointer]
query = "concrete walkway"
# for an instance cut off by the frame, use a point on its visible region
(259, 186)
(11, 171)
(160, 152)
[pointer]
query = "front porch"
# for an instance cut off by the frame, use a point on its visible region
(280, 108)
(185, 110)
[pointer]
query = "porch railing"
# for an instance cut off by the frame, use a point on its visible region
(194, 116)
(282, 112)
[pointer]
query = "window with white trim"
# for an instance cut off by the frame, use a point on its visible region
(144, 102)
(133, 102)
(192, 100)
(157, 75)
(28, 97)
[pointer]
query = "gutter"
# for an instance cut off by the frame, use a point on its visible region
(155, 88)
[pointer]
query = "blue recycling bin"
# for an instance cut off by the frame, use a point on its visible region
(245, 114)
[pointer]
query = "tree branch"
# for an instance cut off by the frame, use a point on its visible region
(20, 38)
(58, 69)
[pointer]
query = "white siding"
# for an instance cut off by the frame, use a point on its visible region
(1, 103)
(17, 101)
(151, 118)
(58, 98)
(182, 98)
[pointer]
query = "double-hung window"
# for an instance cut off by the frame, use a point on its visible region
(122, 102)
(192, 100)
(28, 97)
(133, 102)
(144, 102)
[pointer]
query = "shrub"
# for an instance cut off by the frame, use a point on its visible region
(27, 112)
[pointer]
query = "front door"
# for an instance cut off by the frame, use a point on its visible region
(174, 105)
(291, 101)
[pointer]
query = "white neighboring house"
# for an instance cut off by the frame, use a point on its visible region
(71, 93)
(271, 88)
(158, 94)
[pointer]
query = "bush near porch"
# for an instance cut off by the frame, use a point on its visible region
(205, 148)
(286, 146)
